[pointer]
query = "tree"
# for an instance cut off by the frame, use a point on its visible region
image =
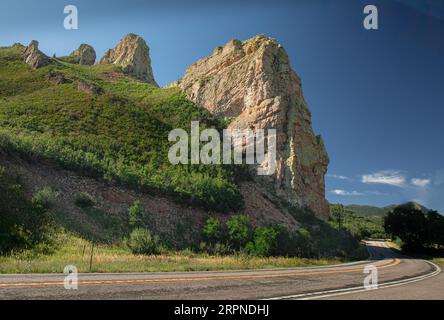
(435, 228)
(212, 230)
(264, 242)
(338, 213)
(135, 214)
(409, 224)
(239, 231)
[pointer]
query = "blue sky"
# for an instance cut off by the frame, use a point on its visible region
(376, 96)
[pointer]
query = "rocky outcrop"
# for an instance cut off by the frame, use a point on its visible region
(34, 57)
(89, 88)
(132, 54)
(86, 54)
(253, 84)
(58, 78)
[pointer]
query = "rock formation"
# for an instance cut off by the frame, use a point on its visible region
(132, 54)
(253, 84)
(34, 57)
(89, 88)
(58, 78)
(85, 54)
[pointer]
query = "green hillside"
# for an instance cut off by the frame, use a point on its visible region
(371, 226)
(369, 211)
(119, 134)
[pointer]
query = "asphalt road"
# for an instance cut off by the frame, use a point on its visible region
(297, 283)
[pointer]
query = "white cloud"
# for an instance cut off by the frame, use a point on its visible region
(388, 177)
(421, 183)
(335, 176)
(340, 192)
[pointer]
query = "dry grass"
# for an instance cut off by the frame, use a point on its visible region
(394, 245)
(438, 261)
(76, 251)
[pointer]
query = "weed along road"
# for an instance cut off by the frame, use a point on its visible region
(296, 283)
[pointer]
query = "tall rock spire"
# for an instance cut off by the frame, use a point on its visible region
(132, 54)
(252, 83)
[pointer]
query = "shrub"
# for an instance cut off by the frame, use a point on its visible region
(212, 230)
(215, 249)
(135, 214)
(142, 242)
(45, 197)
(84, 200)
(24, 224)
(264, 242)
(239, 231)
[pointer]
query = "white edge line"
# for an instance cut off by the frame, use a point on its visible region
(338, 292)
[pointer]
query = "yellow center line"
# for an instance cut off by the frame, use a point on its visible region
(236, 277)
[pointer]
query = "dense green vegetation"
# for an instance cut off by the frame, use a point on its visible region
(314, 238)
(317, 238)
(24, 223)
(418, 231)
(120, 135)
(360, 226)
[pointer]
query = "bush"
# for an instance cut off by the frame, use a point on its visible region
(215, 249)
(212, 230)
(24, 224)
(135, 214)
(45, 197)
(239, 231)
(84, 200)
(264, 242)
(142, 242)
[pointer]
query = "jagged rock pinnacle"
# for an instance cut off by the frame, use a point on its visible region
(86, 54)
(252, 83)
(132, 54)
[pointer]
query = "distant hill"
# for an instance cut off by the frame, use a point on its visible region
(371, 211)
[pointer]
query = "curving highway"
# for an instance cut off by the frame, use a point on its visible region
(345, 281)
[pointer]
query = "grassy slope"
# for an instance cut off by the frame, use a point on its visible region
(120, 135)
(76, 251)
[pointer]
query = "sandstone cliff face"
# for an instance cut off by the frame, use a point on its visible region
(132, 54)
(34, 57)
(253, 83)
(86, 54)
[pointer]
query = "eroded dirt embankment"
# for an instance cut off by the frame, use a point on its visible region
(179, 224)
